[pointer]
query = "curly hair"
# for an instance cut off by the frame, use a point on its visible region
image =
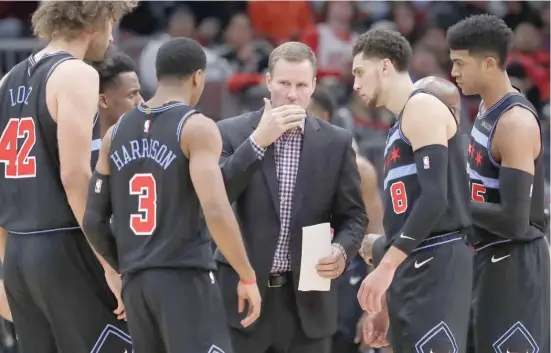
(68, 19)
(384, 44)
(482, 35)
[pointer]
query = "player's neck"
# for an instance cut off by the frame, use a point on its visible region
(495, 90)
(76, 48)
(167, 94)
(401, 90)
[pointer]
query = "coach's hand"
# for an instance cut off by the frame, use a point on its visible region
(276, 121)
(248, 293)
(332, 266)
(115, 284)
(375, 328)
(374, 287)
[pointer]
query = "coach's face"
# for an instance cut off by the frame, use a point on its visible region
(367, 80)
(469, 71)
(291, 82)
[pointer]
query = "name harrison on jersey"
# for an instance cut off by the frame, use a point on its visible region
(144, 148)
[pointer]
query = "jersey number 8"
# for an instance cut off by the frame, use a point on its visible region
(17, 162)
(399, 197)
(144, 222)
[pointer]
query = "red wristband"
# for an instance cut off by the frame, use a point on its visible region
(249, 282)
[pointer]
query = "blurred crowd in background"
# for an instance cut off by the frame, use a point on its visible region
(238, 37)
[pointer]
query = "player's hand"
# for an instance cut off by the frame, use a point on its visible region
(375, 328)
(248, 293)
(115, 284)
(374, 287)
(332, 266)
(366, 250)
(276, 121)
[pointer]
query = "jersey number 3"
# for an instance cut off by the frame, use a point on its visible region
(144, 222)
(399, 197)
(17, 162)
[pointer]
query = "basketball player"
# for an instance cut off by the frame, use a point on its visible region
(59, 298)
(511, 282)
(449, 94)
(375, 326)
(347, 339)
(158, 167)
(119, 92)
(427, 267)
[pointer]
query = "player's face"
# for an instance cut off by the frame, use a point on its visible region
(198, 87)
(367, 80)
(121, 97)
(291, 82)
(100, 41)
(468, 71)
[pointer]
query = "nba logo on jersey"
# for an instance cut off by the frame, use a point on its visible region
(426, 162)
(97, 189)
(146, 126)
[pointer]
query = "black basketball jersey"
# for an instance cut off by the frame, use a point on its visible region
(402, 189)
(32, 196)
(156, 212)
(96, 142)
(484, 170)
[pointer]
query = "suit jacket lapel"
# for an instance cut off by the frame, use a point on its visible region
(268, 166)
(310, 151)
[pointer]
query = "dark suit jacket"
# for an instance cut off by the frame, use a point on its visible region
(327, 189)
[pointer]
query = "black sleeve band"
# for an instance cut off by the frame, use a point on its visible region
(511, 218)
(96, 222)
(432, 174)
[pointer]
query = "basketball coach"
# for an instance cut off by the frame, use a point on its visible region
(285, 170)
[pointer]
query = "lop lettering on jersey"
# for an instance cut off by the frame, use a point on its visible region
(20, 95)
(144, 148)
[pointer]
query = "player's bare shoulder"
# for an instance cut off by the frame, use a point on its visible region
(518, 127)
(199, 131)
(425, 115)
(71, 78)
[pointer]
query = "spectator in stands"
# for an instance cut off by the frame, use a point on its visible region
(247, 56)
(280, 21)
(180, 24)
(333, 39)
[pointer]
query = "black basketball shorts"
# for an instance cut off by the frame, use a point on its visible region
(510, 310)
(58, 296)
(430, 296)
(176, 311)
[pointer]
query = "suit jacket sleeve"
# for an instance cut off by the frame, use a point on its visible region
(238, 165)
(349, 219)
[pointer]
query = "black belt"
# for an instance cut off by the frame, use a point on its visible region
(277, 280)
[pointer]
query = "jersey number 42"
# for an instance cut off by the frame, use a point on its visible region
(17, 162)
(144, 186)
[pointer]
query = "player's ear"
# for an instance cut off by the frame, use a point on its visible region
(269, 80)
(198, 77)
(103, 101)
(490, 63)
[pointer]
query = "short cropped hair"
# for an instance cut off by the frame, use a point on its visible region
(111, 67)
(180, 58)
(384, 44)
(482, 35)
(68, 19)
(322, 97)
(293, 52)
